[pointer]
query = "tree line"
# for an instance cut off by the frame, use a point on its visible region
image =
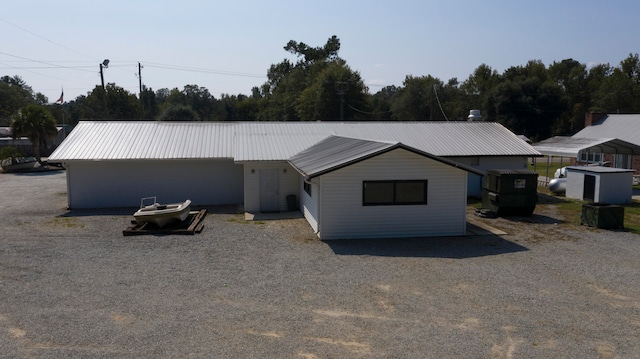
(535, 100)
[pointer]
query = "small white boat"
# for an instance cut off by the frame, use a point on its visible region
(16, 164)
(161, 214)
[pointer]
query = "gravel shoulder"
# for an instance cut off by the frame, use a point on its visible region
(72, 286)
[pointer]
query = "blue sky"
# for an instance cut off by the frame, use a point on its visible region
(228, 46)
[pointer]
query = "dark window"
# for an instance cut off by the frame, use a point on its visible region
(307, 188)
(376, 193)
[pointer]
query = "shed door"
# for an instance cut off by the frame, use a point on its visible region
(269, 190)
(589, 191)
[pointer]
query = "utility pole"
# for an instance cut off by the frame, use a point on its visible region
(101, 77)
(341, 91)
(103, 64)
(140, 82)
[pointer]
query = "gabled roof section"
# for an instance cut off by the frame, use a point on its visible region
(124, 140)
(571, 146)
(264, 141)
(276, 141)
(336, 152)
(624, 127)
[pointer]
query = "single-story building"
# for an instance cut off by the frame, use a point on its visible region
(263, 165)
(378, 189)
(599, 184)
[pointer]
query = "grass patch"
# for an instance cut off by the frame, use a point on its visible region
(542, 167)
(570, 209)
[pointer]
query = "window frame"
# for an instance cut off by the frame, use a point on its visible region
(306, 186)
(590, 157)
(394, 201)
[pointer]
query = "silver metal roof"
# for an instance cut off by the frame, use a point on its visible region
(118, 140)
(571, 146)
(265, 141)
(624, 127)
(335, 152)
(598, 169)
(281, 140)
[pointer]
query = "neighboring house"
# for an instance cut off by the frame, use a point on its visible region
(340, 174)
(612, 140)
(23, 144)
(623, 127)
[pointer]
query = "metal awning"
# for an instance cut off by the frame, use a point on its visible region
(571, 147)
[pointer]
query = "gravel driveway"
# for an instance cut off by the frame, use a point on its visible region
(72, 286)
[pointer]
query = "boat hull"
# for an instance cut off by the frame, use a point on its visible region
(162, 215)
(14, 164)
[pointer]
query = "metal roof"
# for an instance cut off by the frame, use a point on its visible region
(598, 169)
(281, 140)
(118, 140)
(268, 141)
(624, 127)
(571, 146)
(336, 152)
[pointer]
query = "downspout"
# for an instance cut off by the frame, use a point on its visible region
(319, 206)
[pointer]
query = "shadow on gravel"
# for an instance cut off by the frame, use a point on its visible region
(437, 247)
(36, 173)
(129, 211)
(99, 212)
(534, 218)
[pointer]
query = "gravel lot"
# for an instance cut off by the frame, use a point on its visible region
(71, 285)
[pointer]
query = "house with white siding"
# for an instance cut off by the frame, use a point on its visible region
(350, 180)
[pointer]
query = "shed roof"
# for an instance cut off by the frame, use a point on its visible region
(264, 141)
(571, 146)
(598, 169)
(336, 152)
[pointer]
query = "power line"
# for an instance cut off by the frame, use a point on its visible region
(201, 70)
(44, 62)
(439, 104)
(46, 39)
(367, 113)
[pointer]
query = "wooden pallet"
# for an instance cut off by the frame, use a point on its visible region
(192, 225)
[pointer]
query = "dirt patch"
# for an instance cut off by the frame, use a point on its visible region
(547, 223)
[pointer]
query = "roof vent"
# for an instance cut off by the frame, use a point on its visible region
(474, 115)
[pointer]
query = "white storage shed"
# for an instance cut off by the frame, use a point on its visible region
(600, 184)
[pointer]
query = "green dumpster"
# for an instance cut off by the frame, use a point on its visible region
(510, 192)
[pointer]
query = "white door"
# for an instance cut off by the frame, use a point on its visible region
(269, 190)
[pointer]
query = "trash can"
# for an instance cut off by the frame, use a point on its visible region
(292, 203)
(510, 192)
(602, 215)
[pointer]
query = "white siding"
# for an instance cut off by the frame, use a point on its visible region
(575, 184)
(342, 214)
(288, 183)
(110, 184)
(309, 204)
(474, 182)
(613, 188)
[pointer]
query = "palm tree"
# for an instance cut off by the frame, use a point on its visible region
(35, 123)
